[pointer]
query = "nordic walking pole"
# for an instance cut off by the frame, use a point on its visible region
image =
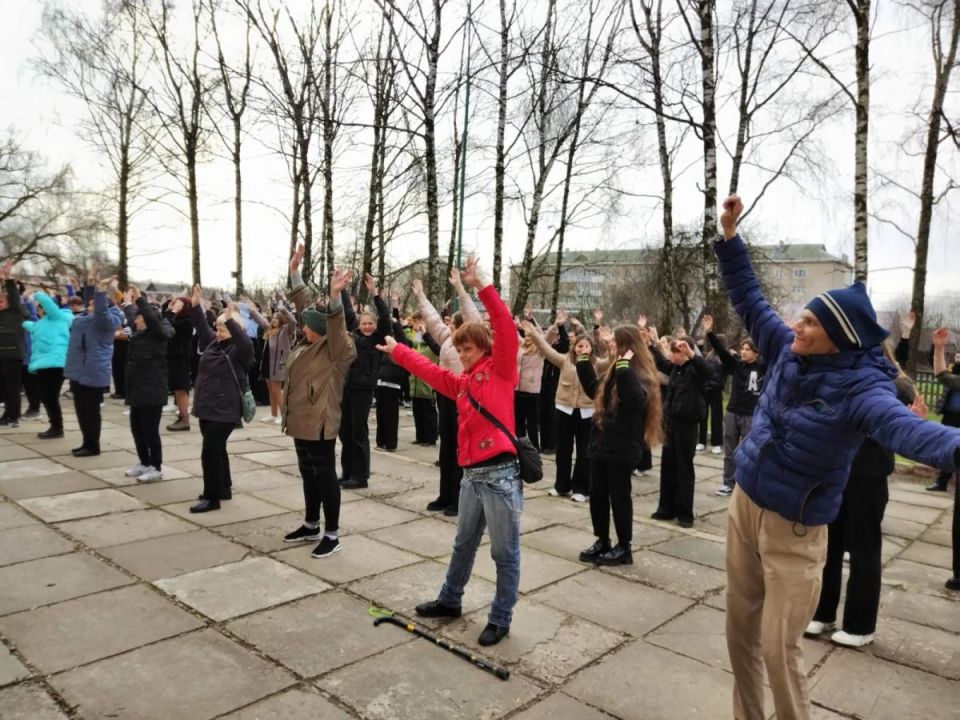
(380, 616)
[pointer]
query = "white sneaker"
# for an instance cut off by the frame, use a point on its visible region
(724, 491)
(701, 447)
(555, 493)
(268, 418)
(137, 470)
(578, 497)
(716, 450)
(150, 475)
(279, 420)
(848, 640)
(819, 628)
(170, 409)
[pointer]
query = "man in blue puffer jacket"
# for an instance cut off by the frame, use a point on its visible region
(89, 362)
(827, 386)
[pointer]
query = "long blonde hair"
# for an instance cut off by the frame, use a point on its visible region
(628, 338)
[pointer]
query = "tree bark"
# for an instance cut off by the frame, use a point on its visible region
(862, 17)
(499, 171)
(709, 129)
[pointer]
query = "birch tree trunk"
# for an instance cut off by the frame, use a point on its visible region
(861, 13)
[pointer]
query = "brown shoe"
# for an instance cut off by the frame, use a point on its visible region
(180, 424)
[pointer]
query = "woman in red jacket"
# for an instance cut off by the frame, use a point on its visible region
(491, 492)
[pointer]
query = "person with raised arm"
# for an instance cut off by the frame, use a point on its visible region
(827, 385)
(12, 315)
(491, 493)
(313, 385)
(951, 382)
(49, 336)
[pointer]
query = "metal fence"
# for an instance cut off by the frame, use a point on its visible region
(931, 389)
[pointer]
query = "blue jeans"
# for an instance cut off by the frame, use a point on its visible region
(489, 497)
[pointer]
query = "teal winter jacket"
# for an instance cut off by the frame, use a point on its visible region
(50, 335)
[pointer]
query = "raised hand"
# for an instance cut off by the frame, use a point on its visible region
(707, 323)
(417, 285)
(395, 300)
(561, 317)
(652, 333)
(732, 208)
(529, 328)
(597, 316)
(470, 276)
(339, 280)
(919, 406)
(5, 270)
(627, 355)
(196, 298)
(528, 310)
(906, 323)
(297, 259)
(107, 283)
(641, 320)
(134, 292)
(370, 284)
(389, 344)
(941, 336)
(455, 278)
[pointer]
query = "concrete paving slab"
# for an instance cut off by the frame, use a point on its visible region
(237, 464)
(111, 459)
(613, 602)
(364, 515)
(31, 468)
(428, 537)
(263, 534)
(318, 634)
(11, 669)
(65, 482)
(203, 675)
(29, 543)
(915, 577)
(562, 541)
(242, 507)
(913, 513)
(695, 549)
(935, 651)
(54, 579)
(252, 481)
(16, 452)
(29, 702)
(689, 689)
(359, 557)
(384, 484)
(853, 683)
(116, 476)
(291, 496)
(560, 707)
(401, 590)
(186, 451)
(12, 516)
(939, 537)
(929, 554)
(543, 643)
(79, 631)
(88, 503)
(537, 569)
(272, 458)
(241, 447)
(127, 527)
(296, 704)
(228, 591)
(546, 510)
(922, 609)
(173, 555)
(925, 499)
(674, 575)
(166, 492)
(406, 686)
(416, 500)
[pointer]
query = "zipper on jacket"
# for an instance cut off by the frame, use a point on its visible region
(805, 498)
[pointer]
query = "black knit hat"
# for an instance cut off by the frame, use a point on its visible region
(848, 317)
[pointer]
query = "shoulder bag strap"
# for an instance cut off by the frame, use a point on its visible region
(232, 371)
(496, 423)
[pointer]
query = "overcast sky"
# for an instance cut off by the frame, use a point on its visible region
(820, 211)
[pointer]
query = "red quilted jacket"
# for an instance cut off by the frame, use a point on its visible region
(491, 381)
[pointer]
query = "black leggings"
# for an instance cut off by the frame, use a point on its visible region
(450, 470)
(86, 402)
(388, 416)
(425, 420)
(317, 461)
(527, 411)
(214, 459)
(50, 381)
(610, 487)
(10, 380)
(572, 429)
(145, 428)
(677, 473)
(355, 434)
(715, 415)
(31, 388)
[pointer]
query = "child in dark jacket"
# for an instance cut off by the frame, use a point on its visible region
(685, 406)
(626, 421)
(746, 372)
(389, 392)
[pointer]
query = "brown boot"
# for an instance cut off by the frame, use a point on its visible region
(181, 423)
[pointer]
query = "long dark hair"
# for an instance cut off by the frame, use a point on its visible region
(628, 337)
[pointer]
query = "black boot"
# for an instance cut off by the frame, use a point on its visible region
(205, 506)
(50, 434)
(617, 555)
(594, 551)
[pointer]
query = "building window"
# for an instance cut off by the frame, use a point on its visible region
(800, 273)
(778, 272)
(797, 292)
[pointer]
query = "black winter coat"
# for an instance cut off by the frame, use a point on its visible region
(147, 357)
(620, 438)
(216, 396)
(747, 383)
(686, 394)
(11, 324)
(365, 370)
(179, 352)
(390, 372)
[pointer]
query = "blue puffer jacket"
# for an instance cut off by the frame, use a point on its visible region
(90, 354)
(49, 335)
(815, 411)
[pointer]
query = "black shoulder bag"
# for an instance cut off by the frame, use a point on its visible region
(531, 464)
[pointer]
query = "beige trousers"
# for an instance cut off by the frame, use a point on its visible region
(773, 585)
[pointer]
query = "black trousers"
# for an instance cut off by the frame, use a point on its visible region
(572, 429)
(145, 428)
(317, 461)
(388, 416)
(715, 416)
(120, 367)
(857, 530)
(956, 528)
(50, 381)
(548, 422)
(425, 420)
(31, 388)
(355, 434)
(676, 469)
(214, 459)
(450, 471)
(10, 381)
(610, 487)
(943, 479)
(86, 402)
(527, 413)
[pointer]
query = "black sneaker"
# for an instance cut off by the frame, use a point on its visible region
(952, 584)
(31, 415)
(451, 511)
(594, 551)
(685, 523)
(617, 555)
(436, 505)
(327, 547)
(492, 634)
(8, 423)
(660, 515)
(435, 609)
(302, 534)
(50, 434)
(353, 484)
